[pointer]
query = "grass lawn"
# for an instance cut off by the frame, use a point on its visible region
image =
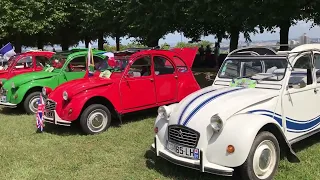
(120, 153)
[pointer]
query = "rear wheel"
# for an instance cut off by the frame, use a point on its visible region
(95, 119)
(263, 159)
(30, 103)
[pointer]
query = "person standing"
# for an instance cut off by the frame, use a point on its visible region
(201, 53)
(208, 52)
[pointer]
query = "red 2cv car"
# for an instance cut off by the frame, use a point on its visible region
(140, 80)
(25, 62)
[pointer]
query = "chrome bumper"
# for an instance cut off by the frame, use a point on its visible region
(200, 165)
(56, 119)
(7, 104)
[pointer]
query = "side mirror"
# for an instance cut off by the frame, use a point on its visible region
(299, 85)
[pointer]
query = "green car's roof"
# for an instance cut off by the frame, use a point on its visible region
(75, 52)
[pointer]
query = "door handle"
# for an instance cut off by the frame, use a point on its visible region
(315, 90)
(151, 79)
(176, 77)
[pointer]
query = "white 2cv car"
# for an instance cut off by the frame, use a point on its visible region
(260, 103)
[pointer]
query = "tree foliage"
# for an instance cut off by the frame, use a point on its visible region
(66, 22)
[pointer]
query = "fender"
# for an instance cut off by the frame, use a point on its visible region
(77, 102)
(24, 88)
(241, 138)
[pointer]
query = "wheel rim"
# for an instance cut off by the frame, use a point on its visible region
(264, 159)
(33, 103)
(97, 120)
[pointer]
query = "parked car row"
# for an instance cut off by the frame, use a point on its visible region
(261, 102)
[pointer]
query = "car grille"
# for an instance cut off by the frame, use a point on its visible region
(183, 136)
(50, 105)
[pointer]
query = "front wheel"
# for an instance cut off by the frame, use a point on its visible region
(263, 159)
(95, 119)
(30, 103)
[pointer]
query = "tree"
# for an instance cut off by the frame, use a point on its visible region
(21, 19)
(283, 15)
(149, 20)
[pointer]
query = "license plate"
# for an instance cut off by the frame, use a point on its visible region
(192, 153)
(49, 114)
(3, 98)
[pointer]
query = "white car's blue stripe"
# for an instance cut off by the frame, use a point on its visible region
(195, 110)
(186, 107)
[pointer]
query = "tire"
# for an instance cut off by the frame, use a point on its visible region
(88, 116)
(265, 143)
(29, 103)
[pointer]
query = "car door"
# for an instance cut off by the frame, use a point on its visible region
(316, 59)
(165, 78)
(137, 89)
(300, 103)
(76, 68)
(23, 65)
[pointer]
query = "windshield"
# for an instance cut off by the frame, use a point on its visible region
(119, 62)
(271, 69)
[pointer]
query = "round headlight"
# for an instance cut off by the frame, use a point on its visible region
(12, 85)
(164, 112)
(216, 123)
(65, 95)
(44, 91)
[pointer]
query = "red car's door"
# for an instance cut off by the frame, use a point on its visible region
(22, 65)
(166, 79)
(137, 86)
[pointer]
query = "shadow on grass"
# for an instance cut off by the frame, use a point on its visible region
(12, 111)
(308, 142)
(136, 116)
(74, 129)
(173, 171)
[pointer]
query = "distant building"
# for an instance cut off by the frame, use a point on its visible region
(304, 39)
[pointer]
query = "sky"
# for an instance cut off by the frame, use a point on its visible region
(295, 31)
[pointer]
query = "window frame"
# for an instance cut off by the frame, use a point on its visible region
(166, 58)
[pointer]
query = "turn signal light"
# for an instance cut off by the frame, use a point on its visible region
(230, 149)
(156, 130)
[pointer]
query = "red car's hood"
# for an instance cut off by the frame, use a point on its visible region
(78, 85)
(187, 54)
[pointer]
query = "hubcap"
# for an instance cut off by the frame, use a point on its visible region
(264, 159)
(33, 104)
(97, 120)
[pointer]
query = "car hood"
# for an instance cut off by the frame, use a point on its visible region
(27, 77)
(78, 85)
(203, 104)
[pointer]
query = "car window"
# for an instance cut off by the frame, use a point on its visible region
(77, 64)
(302, 71)
(100, 64)
(181, 66)
(317, 66)
(162, 66)
(140, 67)
(25, 62)
(41, 61)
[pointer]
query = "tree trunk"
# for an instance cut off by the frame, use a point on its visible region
(17, 43)
(234, 38)
(100, 41)
(40, 43)
(152, 42)
(217, 50)
(86, 41)
(118, 42)
(284, 35)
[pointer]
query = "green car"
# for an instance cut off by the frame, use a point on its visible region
(24, 90)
